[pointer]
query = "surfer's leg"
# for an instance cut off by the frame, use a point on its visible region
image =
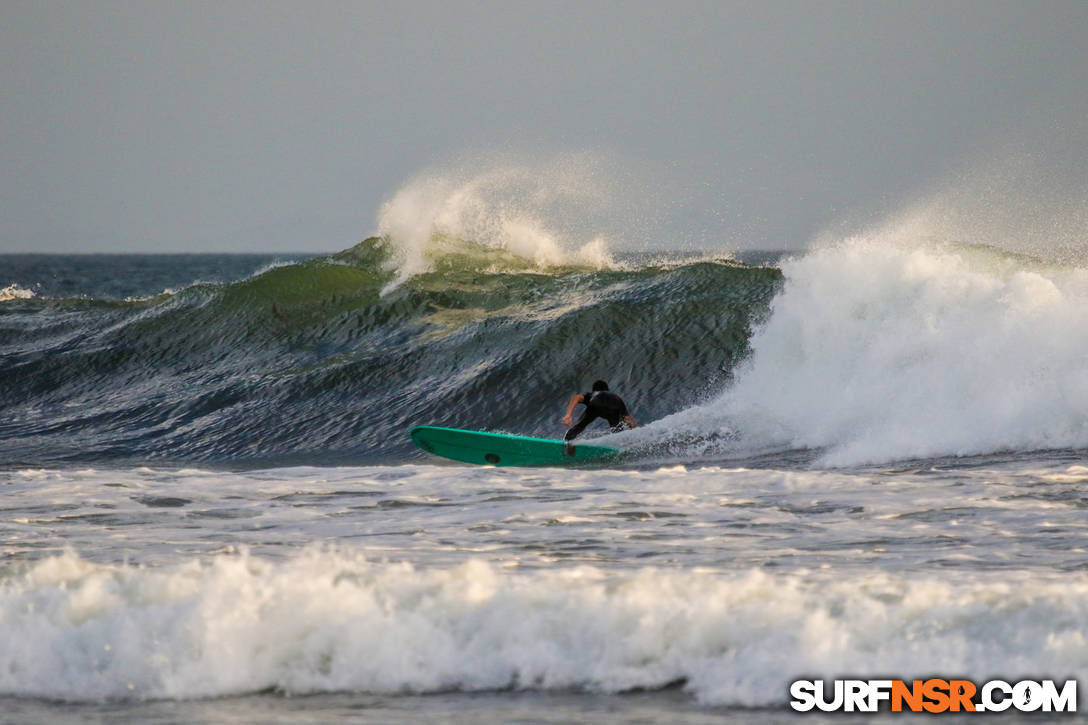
(576, 430)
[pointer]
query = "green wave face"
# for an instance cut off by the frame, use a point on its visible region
(327, 357)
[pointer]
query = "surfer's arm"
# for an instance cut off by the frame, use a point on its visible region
(575, 399)
(630, 421)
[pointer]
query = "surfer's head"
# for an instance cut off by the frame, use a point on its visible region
(599, 385)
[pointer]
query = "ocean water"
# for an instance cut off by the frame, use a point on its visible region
(866, 459)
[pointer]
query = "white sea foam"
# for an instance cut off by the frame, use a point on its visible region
(15, 292)
(323, 621)
(530, 209)
(879, 348)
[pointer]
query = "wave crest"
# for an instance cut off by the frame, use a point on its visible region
(538, 212)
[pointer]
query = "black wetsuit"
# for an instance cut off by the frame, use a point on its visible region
(600, 404)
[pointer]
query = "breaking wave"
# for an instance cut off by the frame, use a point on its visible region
(326, 621)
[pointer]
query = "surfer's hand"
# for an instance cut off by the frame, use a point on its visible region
(568, 420)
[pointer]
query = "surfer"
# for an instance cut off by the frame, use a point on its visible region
(600, 403)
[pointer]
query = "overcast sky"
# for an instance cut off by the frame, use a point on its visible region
(282, 126)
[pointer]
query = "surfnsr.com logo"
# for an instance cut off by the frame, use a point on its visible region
(934, 695)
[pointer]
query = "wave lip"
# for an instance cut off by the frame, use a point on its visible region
(328, 621)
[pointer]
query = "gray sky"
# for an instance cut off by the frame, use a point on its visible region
(250, 126)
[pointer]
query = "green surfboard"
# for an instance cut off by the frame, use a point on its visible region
(500, 449)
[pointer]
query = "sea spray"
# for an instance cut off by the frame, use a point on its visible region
(543, 212)
(877, 350)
